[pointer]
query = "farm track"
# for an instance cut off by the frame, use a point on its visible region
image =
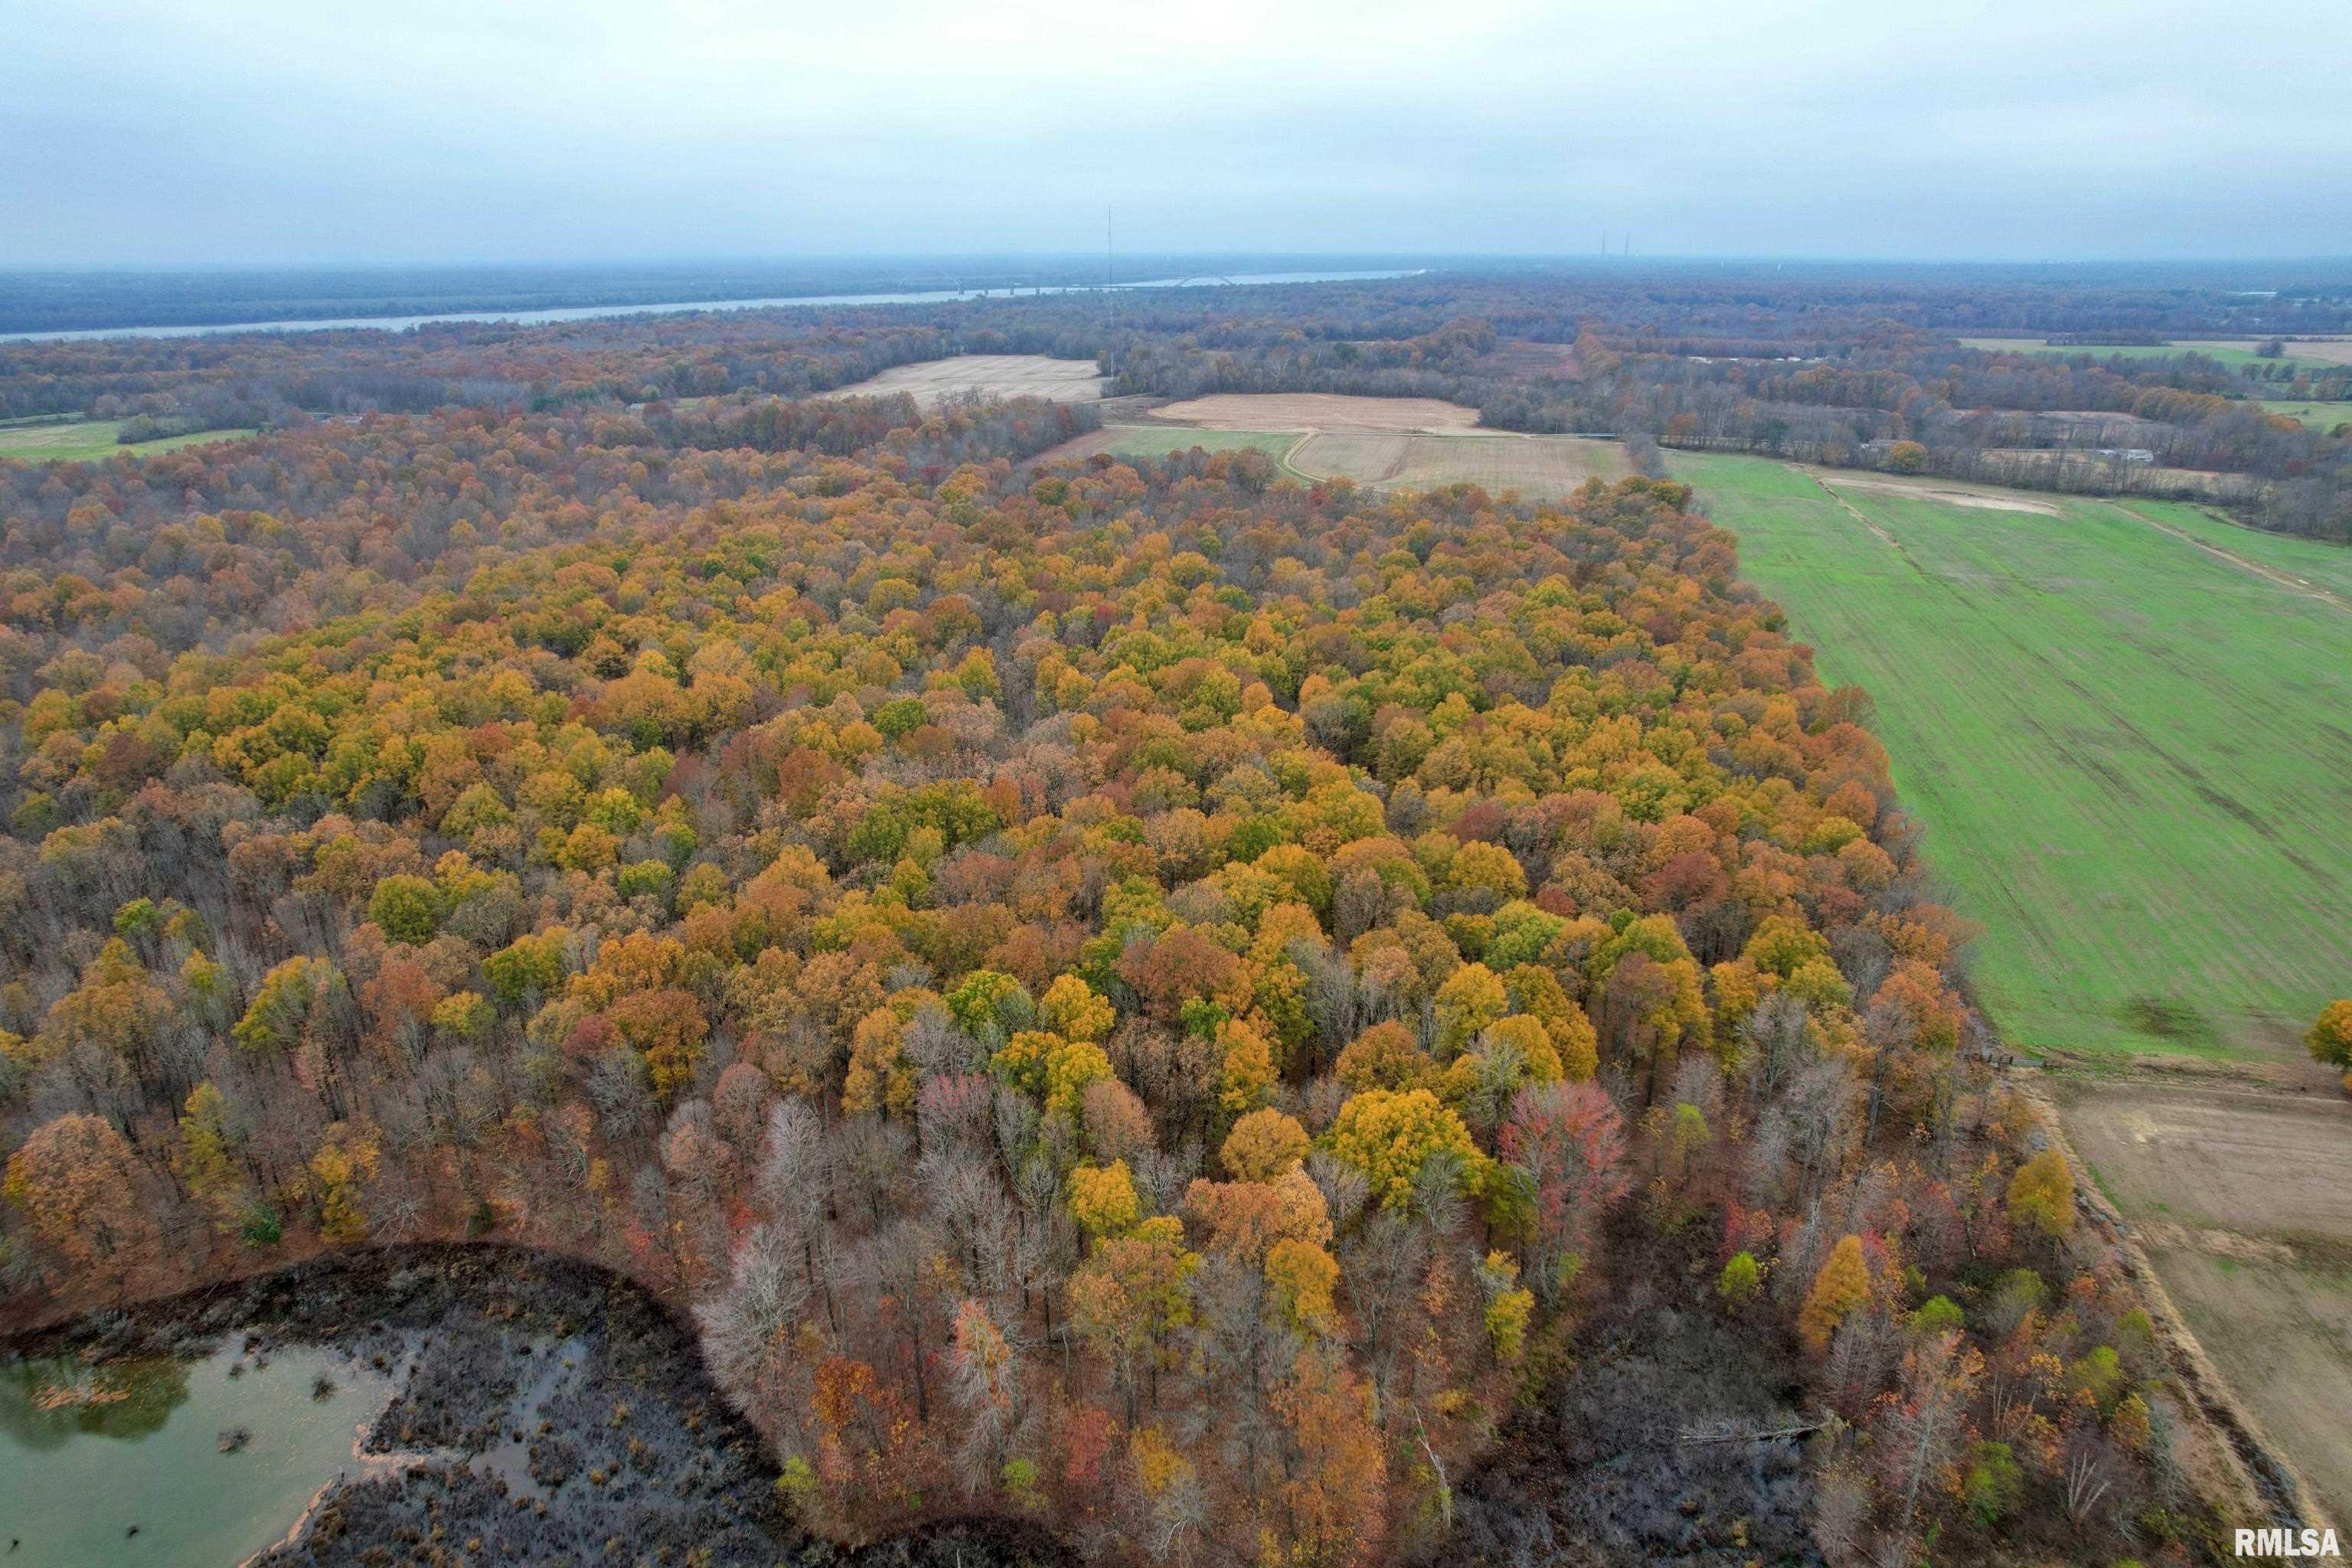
(2287, 580)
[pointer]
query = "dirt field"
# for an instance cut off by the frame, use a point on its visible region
(1004, 375)
(1317, 411)
(2237, 1194)
(1535, 466)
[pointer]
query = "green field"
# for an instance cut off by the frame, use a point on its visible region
(2132, 756)
(89, 439)
(2320, 416)
(2236, 356)
(1146, 441)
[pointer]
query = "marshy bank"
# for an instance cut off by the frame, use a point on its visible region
(379, 1406)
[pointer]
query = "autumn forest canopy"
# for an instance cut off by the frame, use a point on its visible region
(1142, 995)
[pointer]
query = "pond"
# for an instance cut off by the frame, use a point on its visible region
(210, 1461)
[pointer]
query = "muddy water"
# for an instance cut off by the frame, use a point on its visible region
(124, 1461)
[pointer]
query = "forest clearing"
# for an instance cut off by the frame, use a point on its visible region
(2152, 857)
(992, 375)
(89, 440)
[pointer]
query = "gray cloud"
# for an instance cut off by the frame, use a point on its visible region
(147, 131)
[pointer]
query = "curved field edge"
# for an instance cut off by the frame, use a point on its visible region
(2128, 752)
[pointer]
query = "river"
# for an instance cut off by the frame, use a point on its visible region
(591, 313)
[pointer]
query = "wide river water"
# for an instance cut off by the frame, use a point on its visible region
(589, 313)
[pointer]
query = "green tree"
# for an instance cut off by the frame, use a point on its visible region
(407, 907)
(1739, 1280)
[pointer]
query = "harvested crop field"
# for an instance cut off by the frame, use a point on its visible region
(1537, 467)
(2236, 1195)
(991, 375)
(2121, 726)
(1317, 411)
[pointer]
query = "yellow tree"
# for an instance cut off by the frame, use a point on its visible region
(208, 1145)
(1247, 1078)
(1262, 1145)
(1843, 1285)
(2042, 1194)
(1389, 1136)
(345, 1161)
(2330, 1039)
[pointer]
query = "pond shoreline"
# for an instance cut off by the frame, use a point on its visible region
(538, 1399)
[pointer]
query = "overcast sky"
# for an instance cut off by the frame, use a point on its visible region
(154, 131)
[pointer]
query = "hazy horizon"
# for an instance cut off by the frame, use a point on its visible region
(263, 133)
(1128, 261)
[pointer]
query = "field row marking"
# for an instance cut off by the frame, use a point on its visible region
(1851, 510)
(1292, 469)
(2287, 580)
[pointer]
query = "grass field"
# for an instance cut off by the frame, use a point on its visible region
(2125, 728)
(89, 439)
(2237, 354)
(2322, 416)
(1150, 441)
